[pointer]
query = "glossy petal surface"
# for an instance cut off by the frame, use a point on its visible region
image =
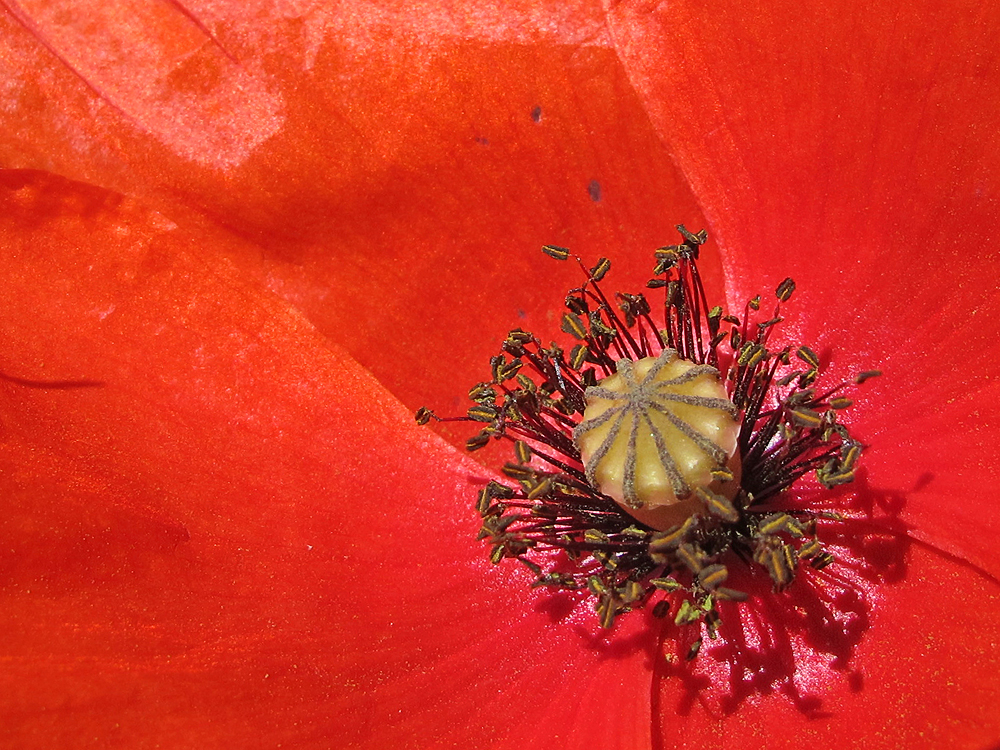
(855, 149)
(885, 662)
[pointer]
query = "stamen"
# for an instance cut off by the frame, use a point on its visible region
(646, 460)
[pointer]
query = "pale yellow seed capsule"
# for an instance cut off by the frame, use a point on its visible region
(652, 433)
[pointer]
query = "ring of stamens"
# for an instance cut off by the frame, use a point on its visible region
(573, 531)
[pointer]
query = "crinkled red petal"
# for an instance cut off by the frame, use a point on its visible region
(395, 170)
(854, 147)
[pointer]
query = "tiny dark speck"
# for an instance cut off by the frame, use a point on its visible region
(594, 189)
(856, 680)
(482, 141)
(536, 114)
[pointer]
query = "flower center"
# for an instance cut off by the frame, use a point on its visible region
(656, 431)
(660, 448)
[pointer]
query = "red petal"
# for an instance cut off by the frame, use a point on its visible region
(399, 168)
(238, 538)
(855, 148)
(919, 678)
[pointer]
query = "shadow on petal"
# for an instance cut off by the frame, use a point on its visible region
(794, 642)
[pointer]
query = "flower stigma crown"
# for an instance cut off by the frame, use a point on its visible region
(650, 458)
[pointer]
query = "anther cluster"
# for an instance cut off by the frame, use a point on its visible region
(577, 530)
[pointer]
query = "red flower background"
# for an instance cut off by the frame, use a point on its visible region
(221, 527)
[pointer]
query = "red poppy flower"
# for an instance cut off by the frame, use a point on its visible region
(222, 527)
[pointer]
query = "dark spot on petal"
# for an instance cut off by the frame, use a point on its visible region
(922, 481)
(536, 114)
(856, 680)
(594, 190)
(482, 141)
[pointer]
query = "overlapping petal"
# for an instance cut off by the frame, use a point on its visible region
(220, 531)
(396, 168)
(235, 538)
